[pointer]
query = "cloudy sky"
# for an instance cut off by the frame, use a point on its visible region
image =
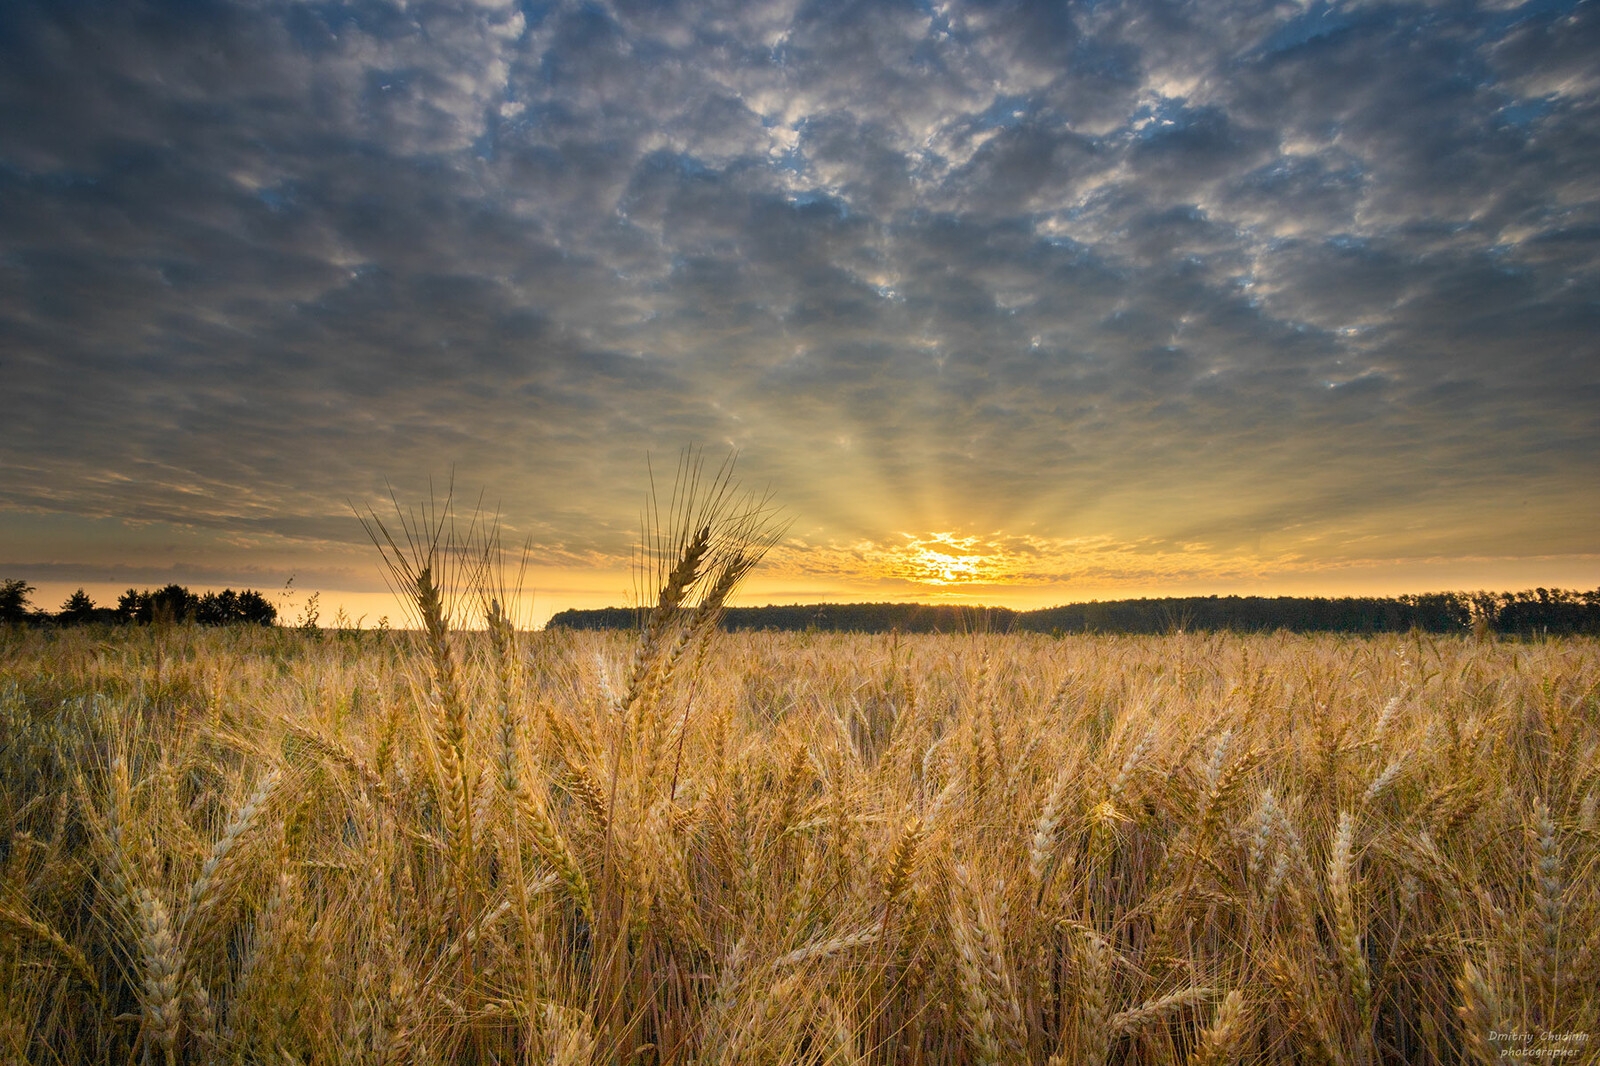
(1003, 302)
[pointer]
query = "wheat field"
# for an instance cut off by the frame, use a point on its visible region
(682, 846)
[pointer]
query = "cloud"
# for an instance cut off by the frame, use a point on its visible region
(1191, 276)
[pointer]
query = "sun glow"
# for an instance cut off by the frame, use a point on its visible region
(948, 559)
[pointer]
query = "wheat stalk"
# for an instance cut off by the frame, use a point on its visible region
(16, 913)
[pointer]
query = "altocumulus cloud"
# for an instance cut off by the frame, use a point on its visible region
(1120, 289)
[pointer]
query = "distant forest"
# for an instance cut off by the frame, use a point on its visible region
(1534, 612)
(174, 603)
(1531, 613)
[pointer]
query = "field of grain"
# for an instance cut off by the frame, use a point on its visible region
(258, 845)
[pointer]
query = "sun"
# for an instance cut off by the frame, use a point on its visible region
(942, 568)
(947, 559)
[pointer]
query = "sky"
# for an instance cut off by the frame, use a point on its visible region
(1013, 303)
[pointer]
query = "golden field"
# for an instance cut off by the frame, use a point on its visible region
(677, 846)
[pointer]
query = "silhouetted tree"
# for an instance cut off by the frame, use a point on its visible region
(228, 607)
(14, 599)
(254, 609)
(177, 604)
(133, 606)
(217, 608)
(78, 608)
(174, 603)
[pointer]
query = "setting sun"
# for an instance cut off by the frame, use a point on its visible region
(946, 559)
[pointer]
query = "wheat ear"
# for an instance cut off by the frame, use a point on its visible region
(208, 887)
(1151, 1011)
(1041, 849)
(163, 965)
(1217, 1043)
(502, 641)
(570, 1036)
(823, 949)
(1548, 898)
(1340, 866)
(1094, 982)
(976, 1013)
(1480, 1015)
(902, 862)
(554, 849)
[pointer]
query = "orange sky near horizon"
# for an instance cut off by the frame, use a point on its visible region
(911, 579)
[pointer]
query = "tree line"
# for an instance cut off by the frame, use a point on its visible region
(1529, 613)
(173, 603)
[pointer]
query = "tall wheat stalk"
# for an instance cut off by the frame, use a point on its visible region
(425, 572)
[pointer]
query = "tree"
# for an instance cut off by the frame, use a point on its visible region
(234, 608)
(217, 608)
(133, 606)
(14, 599)
(78, 608)
(254, 608)
(172, 604)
